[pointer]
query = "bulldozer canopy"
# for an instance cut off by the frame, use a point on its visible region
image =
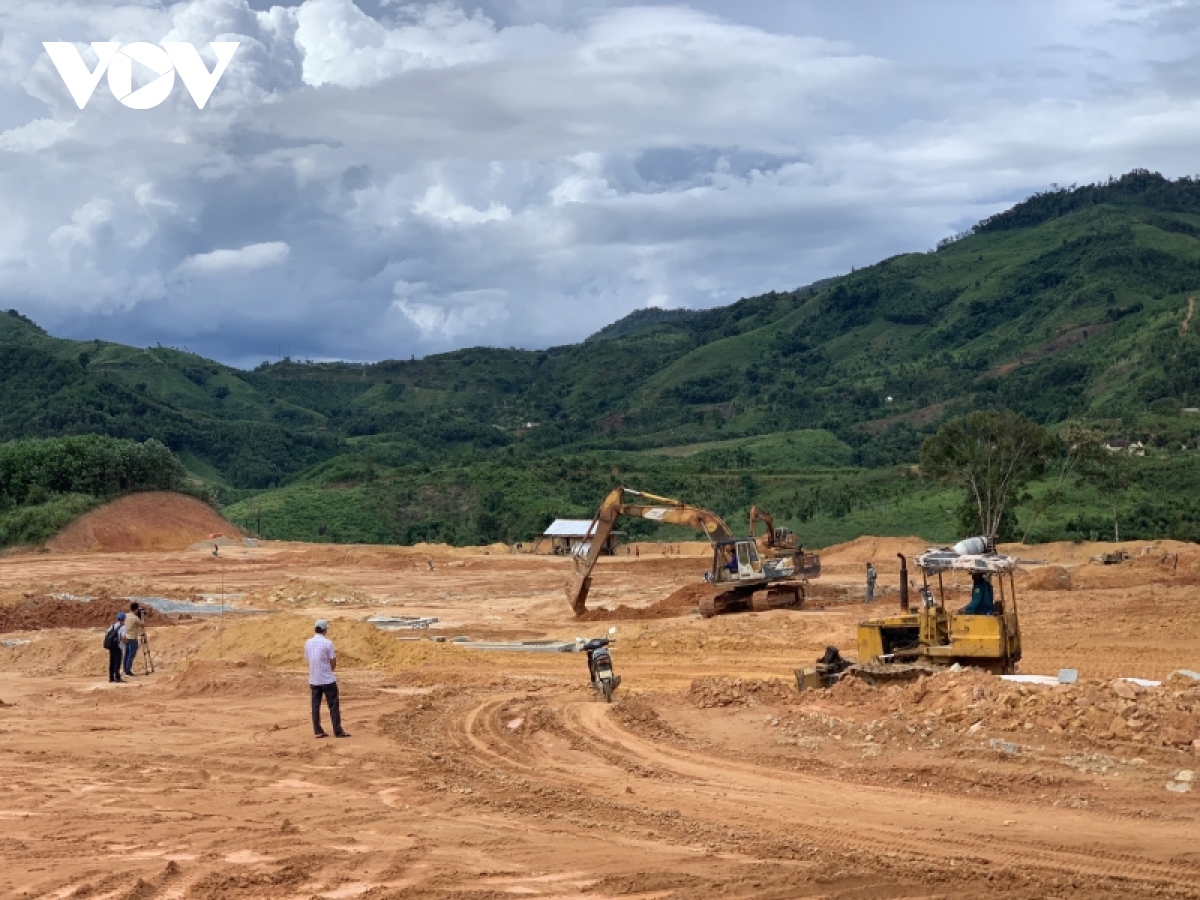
(932, 561)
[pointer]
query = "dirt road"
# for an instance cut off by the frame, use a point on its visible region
(477, 775)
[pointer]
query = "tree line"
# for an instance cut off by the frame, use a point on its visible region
(32, 471)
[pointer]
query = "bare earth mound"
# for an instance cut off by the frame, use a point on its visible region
(237, 678)
(680, 603)
(158, 520)
(278, 640)
(38, 613)
(863, 550)
(1049, 578)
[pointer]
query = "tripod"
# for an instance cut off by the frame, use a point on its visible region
(147, 662)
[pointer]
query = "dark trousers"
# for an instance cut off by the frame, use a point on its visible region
(114, 664)
(330, 693)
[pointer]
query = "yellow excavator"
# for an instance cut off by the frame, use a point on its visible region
(777, 541)
(751, 581)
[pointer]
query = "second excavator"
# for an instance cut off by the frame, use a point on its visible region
(777, 541)
(751, 580)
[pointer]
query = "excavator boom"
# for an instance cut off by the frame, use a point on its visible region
(761, 515)
(624, 502)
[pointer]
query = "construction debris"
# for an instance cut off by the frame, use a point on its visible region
(399, 623)
(519, 646)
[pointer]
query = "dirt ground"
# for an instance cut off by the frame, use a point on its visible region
(481, 775)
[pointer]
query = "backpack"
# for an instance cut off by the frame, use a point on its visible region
(112, 637)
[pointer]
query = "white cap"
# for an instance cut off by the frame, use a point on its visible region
(322, 625)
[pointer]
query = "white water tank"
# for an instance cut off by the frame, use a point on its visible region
(971, 546)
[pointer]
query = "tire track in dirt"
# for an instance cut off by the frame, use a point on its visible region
(827, 813)
(778, 792)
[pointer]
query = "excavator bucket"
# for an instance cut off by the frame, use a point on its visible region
(577, 593)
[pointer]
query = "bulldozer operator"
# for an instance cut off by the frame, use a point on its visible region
(982, 602)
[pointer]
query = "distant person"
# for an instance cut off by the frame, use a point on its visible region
(982, 600)
(871, 576)
(429, 565)
(112, 643)
(134, 629)
(637, 552)
(216, 550)
(322, 660)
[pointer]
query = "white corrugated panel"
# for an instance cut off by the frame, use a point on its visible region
(569, 528)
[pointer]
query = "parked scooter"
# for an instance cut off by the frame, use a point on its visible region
(600, 667)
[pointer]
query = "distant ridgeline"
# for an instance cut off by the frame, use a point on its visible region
(45, 484)
(1072, 304)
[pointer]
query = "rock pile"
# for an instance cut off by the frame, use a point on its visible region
(707, 693)
(309, 592)
(971, 702)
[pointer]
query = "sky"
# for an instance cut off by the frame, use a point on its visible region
(385, 179)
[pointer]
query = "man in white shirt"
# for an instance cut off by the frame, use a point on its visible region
(322, 660)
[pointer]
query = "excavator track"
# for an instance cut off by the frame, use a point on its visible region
(726, 602)
(778, 596)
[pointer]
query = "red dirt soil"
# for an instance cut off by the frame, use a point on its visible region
(37, 613)
(158, 520)
(679, 603)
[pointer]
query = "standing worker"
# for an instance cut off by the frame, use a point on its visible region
(112, 643)
(871, 576)
(322, 660)
(133, 634)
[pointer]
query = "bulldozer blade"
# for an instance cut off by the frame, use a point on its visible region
(577, 593)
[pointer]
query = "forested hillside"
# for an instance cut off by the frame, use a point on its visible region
(1076, 303)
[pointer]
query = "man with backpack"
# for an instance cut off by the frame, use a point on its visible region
(112, 643)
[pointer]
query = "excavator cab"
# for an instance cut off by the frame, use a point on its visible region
(736, 561)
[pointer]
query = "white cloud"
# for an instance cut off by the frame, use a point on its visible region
(87, 224)
(452, 315)
(36, 135)
(438, 203)
(344, 46)
(240, 261)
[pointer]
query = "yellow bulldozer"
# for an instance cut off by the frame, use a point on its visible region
(985, 634)
(752, 580)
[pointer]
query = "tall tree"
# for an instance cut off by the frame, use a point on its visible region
(993, 454)
(1112, 473)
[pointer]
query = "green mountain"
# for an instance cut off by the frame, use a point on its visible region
(1075, 303)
